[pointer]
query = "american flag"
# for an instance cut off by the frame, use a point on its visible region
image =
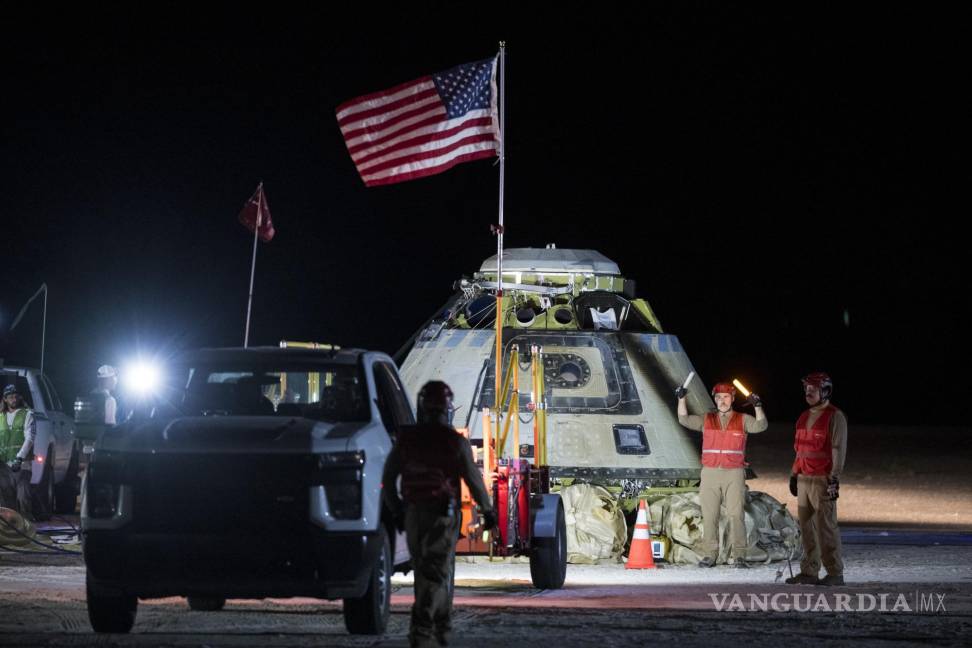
(425, 126)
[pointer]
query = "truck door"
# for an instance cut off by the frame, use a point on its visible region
(61, 426)
(395, 412)
(392, 402)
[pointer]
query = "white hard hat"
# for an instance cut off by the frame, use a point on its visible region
(106, 371)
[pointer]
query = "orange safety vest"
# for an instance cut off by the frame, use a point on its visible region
(814, 454)
(724, 448)
(431, 468)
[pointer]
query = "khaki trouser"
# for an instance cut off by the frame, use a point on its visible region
(818, 526)
(431, 538)
(720, 484)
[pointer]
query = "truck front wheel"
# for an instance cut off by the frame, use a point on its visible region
(111, 613)
(369, 614)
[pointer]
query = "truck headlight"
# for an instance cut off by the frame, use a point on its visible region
(102, 500)
(344, 500)
(355, 459)
(104, 486)
(340, 474)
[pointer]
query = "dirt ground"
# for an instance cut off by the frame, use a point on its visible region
(896, 479)
(42, 603)
(893, 476)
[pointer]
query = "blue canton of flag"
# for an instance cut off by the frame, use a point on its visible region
(465, 87)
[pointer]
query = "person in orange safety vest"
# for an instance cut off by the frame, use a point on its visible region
(820, 446)
(724, 464)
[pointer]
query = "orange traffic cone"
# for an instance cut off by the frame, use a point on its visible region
(639, 555)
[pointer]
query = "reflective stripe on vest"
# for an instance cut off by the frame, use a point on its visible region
(724, 448)
(12, 435)
(812, 445)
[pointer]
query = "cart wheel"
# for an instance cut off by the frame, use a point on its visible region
(548, 559)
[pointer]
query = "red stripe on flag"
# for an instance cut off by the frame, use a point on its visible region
(434, 153)
(365, 115)
(425, 138)
(367, 144)
(421, 173)
(381, 93)
(377, 128)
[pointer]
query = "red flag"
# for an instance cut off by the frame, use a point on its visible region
(256, 215)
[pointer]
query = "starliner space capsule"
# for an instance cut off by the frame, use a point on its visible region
(609, 371)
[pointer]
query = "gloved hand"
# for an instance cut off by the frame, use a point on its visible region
(833, 488)
(489, 519)
(15, 464)
(680, 393)
(754, 400)
(793, 485)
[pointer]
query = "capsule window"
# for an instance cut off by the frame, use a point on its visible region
(631, 440)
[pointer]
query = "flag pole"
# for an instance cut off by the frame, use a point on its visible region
(44, 329)
(499, 245)
(23, 310)
(256, 230)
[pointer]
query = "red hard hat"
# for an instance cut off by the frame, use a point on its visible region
(435, 395)
(821, 381)
(724, 388)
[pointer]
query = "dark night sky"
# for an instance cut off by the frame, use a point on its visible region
(758, 173)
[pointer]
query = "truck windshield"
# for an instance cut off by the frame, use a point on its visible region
(326, 393)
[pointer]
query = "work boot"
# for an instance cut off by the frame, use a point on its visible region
(707, 562)
(442, 635)
(802, 579)
(421, 639)
(422, 642)
(739, 563)
(831, 579)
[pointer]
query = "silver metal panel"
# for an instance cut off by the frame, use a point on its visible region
(455, 356)
(580, 442)
(552, 260)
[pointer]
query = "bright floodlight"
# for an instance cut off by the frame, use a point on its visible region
(142, 377)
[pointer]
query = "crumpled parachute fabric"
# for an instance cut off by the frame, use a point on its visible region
(596, 528)
(772, 532)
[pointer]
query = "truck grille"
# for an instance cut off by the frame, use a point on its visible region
(220, 493)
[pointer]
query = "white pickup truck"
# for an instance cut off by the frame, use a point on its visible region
(255, 473)
(54, 476)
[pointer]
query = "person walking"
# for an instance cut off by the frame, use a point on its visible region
(431, 458)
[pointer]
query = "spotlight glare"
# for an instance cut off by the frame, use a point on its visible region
(142, 378)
